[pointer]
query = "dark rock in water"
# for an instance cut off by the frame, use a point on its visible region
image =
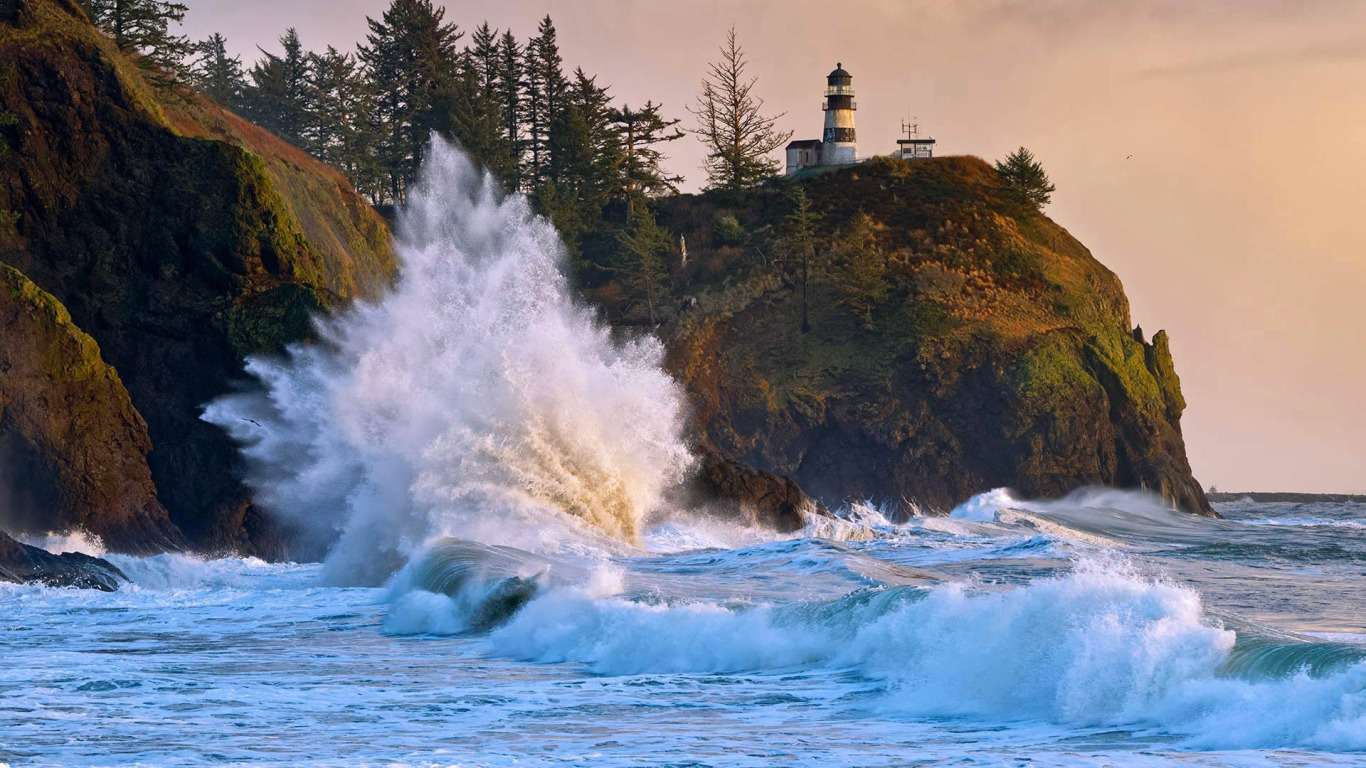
(992, 349)
(761, 498)
(73, 450)
(180, 237)
(22, 564)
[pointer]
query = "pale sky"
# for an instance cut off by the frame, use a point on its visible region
(1238, 224)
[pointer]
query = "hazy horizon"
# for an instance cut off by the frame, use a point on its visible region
(1210, 156)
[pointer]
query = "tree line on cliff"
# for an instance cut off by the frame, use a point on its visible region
(585, 161)
(557, 135)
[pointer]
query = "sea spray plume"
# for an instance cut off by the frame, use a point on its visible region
(476, 400)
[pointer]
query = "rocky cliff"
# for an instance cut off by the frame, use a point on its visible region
(179, 237)
(74, 447)
(999, 353)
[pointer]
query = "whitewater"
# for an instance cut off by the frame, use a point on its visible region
(510, 578)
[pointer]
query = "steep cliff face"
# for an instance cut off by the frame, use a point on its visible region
(73, 450)
(179, 238)
(1002, 353)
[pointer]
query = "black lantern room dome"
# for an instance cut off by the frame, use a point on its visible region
(840, 76)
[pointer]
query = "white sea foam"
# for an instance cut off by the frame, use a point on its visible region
(983, 507)
(1101, 646)
(1307, 522)
(475, 400)
(175, 571)
(72, 541)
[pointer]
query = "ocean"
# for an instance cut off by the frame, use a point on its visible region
(510, 580)
(1097, 630)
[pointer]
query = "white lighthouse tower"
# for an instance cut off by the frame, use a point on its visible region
(839, 144)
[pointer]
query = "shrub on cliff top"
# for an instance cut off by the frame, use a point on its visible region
(1024, 179)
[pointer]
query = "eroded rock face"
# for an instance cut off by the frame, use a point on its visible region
(748, 495)
(180, 256)
(74, 448)
(23, 564)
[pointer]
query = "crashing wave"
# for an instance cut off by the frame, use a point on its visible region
(475, 400)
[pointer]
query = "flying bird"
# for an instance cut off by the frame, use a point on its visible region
(253, 421)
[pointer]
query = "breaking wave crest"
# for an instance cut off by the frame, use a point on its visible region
(475, 400)
(1100, 646)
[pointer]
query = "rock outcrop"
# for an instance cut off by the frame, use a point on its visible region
(179, 237)
(751, 496)
(73, 450)
(1000, 353)
(23, 564)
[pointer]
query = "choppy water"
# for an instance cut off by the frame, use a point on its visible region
(1098, 630)
(481, 447)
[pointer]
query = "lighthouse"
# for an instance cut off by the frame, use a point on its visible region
(839, 147)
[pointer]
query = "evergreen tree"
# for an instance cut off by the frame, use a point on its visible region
(467, 112)
(484, 53)
(340, 131)
(731, 123)
(640, 132)
(508, 89)
(218, 75)
(801, 244)
(278, 97)
(143, 27)
(545, 85)
(583, 146)
(1024, 179)
(643, 244)
(409, 57)
(859, 273)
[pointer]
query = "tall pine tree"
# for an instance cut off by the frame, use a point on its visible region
(484, 56)
(802, 246)
(340, 130)
(467, 111)
(731, 123)
(508, 89)
(545, 87)
(218, 75)
(583, 145)
(410, 56)
(639, 133)
(143, 27)
(278, 97)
